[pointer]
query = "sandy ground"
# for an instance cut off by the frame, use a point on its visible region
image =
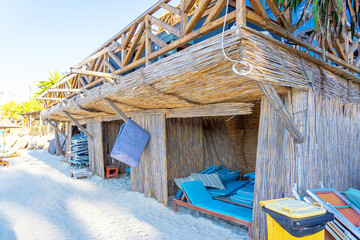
(38, 200)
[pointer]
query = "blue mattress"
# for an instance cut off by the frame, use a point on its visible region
(199, 196)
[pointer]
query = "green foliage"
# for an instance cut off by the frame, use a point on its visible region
(44, 85)
(12, 110)
(330, 16)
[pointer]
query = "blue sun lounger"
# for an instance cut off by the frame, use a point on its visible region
(197, 197)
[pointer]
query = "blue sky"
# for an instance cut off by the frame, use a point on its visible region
(41, 36)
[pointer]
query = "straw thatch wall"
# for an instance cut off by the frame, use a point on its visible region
(96, 152)
(110, 132)
(150, 175)
(329, 154)
(194, 144)
(243, 132)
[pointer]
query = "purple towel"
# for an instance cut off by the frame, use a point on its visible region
(130, 144)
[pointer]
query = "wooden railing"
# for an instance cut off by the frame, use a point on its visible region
(133, 47)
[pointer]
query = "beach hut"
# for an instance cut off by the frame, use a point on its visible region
(287, 108)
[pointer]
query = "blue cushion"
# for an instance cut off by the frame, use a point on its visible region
(228, 209)
(229, 176)
(230, 187)
(209, 170)
(219, 168)
(196, 192)
(130, 144)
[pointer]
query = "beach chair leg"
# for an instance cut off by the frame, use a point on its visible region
(175, 207)
(249, 229)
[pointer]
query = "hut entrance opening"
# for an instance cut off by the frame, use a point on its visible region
(194, 144)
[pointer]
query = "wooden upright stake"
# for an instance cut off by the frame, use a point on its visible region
(240, 12)
(78, 124)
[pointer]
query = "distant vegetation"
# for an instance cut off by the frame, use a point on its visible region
(13, 110)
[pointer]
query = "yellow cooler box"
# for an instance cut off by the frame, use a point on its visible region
(288, 218)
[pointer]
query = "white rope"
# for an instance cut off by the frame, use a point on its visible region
(243, 62)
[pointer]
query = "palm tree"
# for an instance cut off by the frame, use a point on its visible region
(44, 85)
(330, 16)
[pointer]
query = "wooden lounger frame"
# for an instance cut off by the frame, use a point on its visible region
(4, 163)
(185, 202)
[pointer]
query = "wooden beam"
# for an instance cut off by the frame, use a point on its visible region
(183, 17)
(140, 51)
(259, 8)
(64, 90)
(170, 8)
(215, 12)
(115, 58)
(197, 15)
(116, 109)
(188, 5)
(211, 110)
(123, 50)
(94, 56)
(156, 40)
(165, 26)
(130, 36)
(96, 74)
(56, 128)
(240, 13)
(147, 41)
(277, 104)
(77, 124)
(109, 66)
(50, 98)
(132, 49)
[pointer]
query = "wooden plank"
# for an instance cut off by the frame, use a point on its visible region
(96, 74)
(219, 109)
(165, 26)
(215, 11)
(140, 51)
(116, 109)
(77, 124)
(197, 15)
(156, 40)
(240, 12)
(170, 8)
(96, 150)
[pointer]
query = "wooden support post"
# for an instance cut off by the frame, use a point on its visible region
(147, 41)
(96, 149)
(183, 17)
(277, 104)
(77, 124)
(123, 50)
(240, 13)
(116, 109)
(55, 127)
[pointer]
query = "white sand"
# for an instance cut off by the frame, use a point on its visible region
(38, 200)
